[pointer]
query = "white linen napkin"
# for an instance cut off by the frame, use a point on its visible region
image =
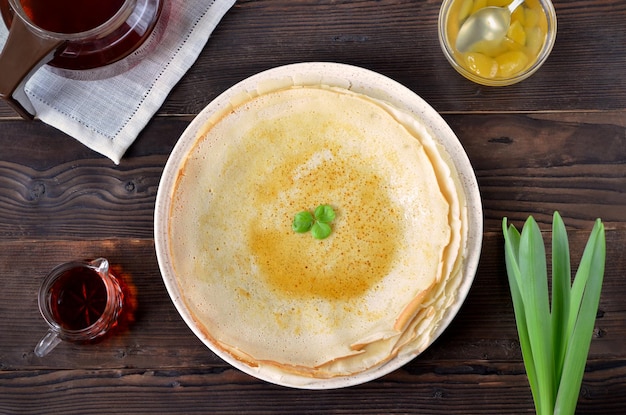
(107, 114)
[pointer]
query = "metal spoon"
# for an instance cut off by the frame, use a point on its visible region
(488, 23)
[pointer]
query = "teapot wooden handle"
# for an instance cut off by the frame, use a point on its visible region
(23, 53)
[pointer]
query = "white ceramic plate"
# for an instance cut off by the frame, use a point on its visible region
(358, 80)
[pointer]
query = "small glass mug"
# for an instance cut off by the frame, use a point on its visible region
(80, 301)
(68, 34)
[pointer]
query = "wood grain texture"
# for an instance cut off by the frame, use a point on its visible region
(51, 186)
(398, 38)
(483, 330)
(479, 387)
(420, 391)
(556, 141)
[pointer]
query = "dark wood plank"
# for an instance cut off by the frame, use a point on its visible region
(483, 387)
(525, 164)
(189, 391)
(42, 194)
(534, 164)
(483, 330)
(399, 39)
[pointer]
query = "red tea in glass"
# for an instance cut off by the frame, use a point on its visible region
(78, 298)
(80, 301)
(123, 26)
(70, 16)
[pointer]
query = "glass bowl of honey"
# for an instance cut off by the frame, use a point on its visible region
(525, 47)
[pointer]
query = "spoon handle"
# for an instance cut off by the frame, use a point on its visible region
(514, 5)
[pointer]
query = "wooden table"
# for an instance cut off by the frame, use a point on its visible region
(556, 141)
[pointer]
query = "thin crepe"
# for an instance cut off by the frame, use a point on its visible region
(286, 303)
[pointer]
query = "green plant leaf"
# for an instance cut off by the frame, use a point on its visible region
(534, 289)
(580, 339)
(582, 275)
(321, 230)
(555, 338)
(302, 222)
(561, 286)
(324, 213)
(511, 250)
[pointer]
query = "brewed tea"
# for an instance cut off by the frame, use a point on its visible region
(70, 16)
(78, 298)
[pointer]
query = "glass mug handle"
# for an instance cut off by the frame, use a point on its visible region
(47, 343)
(24, 52)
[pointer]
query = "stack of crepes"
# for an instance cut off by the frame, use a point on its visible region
(291, 308)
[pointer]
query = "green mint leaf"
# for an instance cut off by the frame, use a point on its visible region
(320, 230)
(324, 214)
(302, 222)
